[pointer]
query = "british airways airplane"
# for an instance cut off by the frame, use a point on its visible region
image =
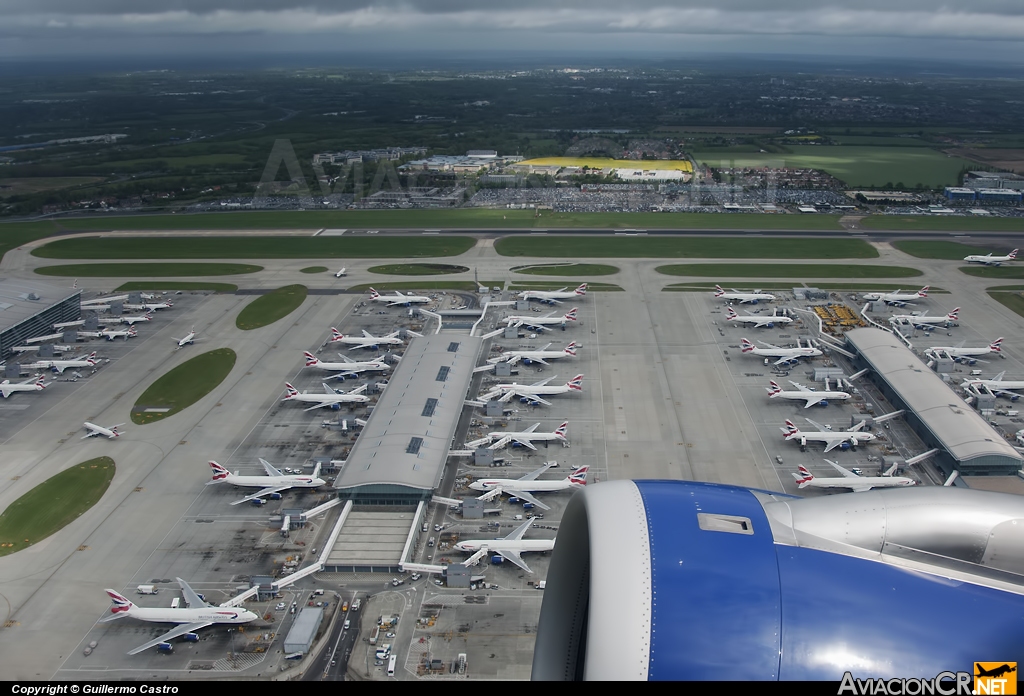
(680, 580)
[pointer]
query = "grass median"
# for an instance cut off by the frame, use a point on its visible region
(947, 251)
(417, 269)
(567, 269)
(183, 386)
(267, 309)
(786, 270)
(158, 286)
(673, 247)
(146, 270)
(53, 504)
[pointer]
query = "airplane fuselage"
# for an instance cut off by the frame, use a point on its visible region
(811, 395)
(829, 438)
(272, 481)
(327, 399)
(536, 321)
(513, 485)
(495, 545)
(862, 482)
(217, 615)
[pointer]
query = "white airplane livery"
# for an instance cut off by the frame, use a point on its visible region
(97, 430)
(60, 365)
(784, 355)
(367, 340)
(148, 316)
(196, 614)
(990, 260)
(958, 351)
(148, 306)
(532, 393)
(997, 385)
(535, 356)
(802, 393)
(273, 482)
(541, 323)
(347, 367)
(509, 547)
(111, 334)
(524, 438)
(30, 385)
(897, 298)
(858, 484)
(523, 487)
(755, 320)
(831, 438)
(923, 321)
(398, 298)
(554, 296)
(329, 399)
(733, 295)
(190, 337)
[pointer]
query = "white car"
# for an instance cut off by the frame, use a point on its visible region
(281, 606)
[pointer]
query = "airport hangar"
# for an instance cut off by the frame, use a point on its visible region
(939, 417)
(29, 308)
(401, 453)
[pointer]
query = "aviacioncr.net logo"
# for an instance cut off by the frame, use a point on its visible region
(943, 684)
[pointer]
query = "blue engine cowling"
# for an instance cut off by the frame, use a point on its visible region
(676, 580)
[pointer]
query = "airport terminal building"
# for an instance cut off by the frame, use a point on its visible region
(966, 442)
(29, 308)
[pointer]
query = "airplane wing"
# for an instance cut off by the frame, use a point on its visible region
(784, 359)
(500, 442)
(179, 630)
(816, 424)
(542, 361)
(525, 442)
(191, 598)
(520, 531)
(270, 469)
(543, 382)
(813, 400)
(799, 386)
(514, 557)
(768, 345)
(367, 334)
(532, 428)
(552, 300)
(322, 404)
(539, 400)
(261, 493)
(1006, 392)
(328, 390)
(532, 476)
(845, 472)
(523, 495)
(92, 433)
(832, 445)
(860, 489)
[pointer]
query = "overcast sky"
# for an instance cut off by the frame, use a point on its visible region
(917, 28)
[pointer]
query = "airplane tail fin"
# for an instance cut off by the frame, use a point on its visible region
(923, 292)
(731, 313)
(41, 382)
(1013, 254)
(291, 391)
(374, 294)
(719, 291)
(311, 360)
(571, 314)
(575, 383)
(994, 346)
(954, 315)
(119, 605)
(790, 429)
(746, 346)
(774, 389)
(571, 349)
(582, 289)
(132, 331)
(92, 358)
(561, 430)
(336, 335)
(219, 472)
(804, 478)
(579, 476)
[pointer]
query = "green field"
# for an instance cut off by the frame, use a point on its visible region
(146, 270)
(54, 504)
(942, 224)
(145, 285)
(253, 247)
(1010, 300)
(183, 386)
(856, 165)
(786, 270)
(997, 272)
(775, 285)
(467, 285)
(608, 163)
(604, 246)
(417, 269)
(567, 269)
(35, 184)
(540, 285)
(269, 308)
(313, 269)
(949, 251)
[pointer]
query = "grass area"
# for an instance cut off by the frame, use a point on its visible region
(864, 165)
(35, 184)
(268, 308)
(684, 247)
(147, 285)
(13, 235)
(184, 385)
(774, 285)
(467, 285)
(538, 285)
(950, 251)
(998, 272)
(313, 269)
(786, 270)
(146, 270)
(461, 218)
(254, 247)
(54, 504)
(568, 269)
(1010, 300)
(609, 163)
(942, 224)
(417, 269)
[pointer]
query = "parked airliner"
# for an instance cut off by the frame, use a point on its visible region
(859, 484)
(554, 296)
(757, 321)
(733, 295)
(990, 260)
(509, 547)
(524, 486)
(273, 482)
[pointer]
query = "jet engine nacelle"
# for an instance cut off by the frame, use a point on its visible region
(677, 580)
